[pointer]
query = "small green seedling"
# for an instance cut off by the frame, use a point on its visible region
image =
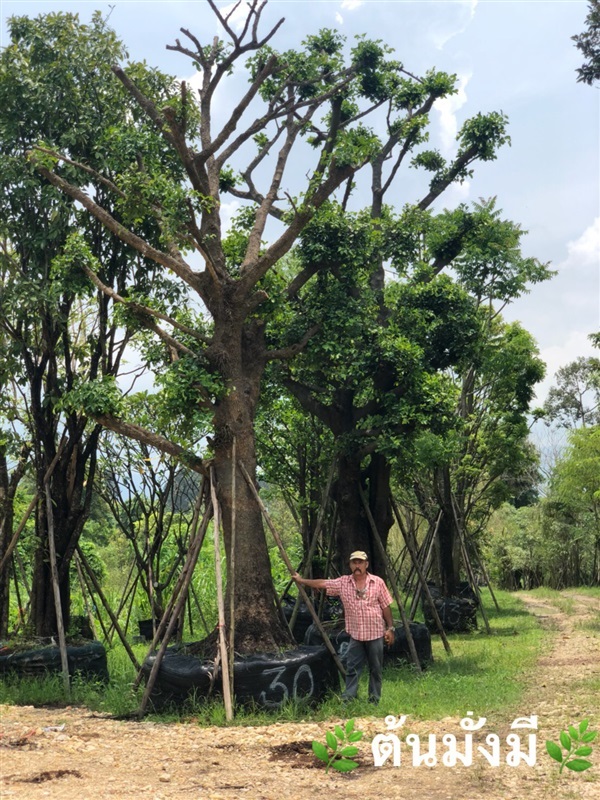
(339, 747)
(577, 742)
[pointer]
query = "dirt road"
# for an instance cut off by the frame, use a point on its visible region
(73, 754)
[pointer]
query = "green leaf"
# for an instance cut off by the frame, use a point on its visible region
(344, 765)
(583, 725)
(565, 740)
(320, 751)
(352, 751)
(574, 733)
(578, 765)
(350, 726)
(554, 751)
(583, 751)
(589, 736)
(331, 740)
(355, 737)
(339, 732)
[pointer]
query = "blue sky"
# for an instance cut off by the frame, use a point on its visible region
(515, 56)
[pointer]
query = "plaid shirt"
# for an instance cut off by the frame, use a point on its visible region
(364, 618)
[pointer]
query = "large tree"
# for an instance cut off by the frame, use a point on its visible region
(320, 96)
(57, 91)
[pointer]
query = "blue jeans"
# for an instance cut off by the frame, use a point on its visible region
(357, 655)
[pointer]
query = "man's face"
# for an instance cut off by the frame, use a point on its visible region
(358, 566)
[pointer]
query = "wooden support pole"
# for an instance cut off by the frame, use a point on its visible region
(467, 560)
(288, 563)
(183, 581)
(422, 579)
(486, 576)
(390, 574)
(427, 550)
(227, 699)
(30, 507)
(315, 537)
(109, 611)
(231, 574)
(62, 642)
(188, 569)
(83, 587)
(90, 589)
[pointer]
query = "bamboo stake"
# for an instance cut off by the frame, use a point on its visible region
(427, 550)
(20, 618)
(30, 507)
(21, 566)
(424, 586)
(392, 580)
(62, 642)
(182, 585)
(90, 589)
(231, 575)
(109, 611)
(288, 563)
(469, 567)
(189, 573)
(125, 597)
(486, 575)
(88, 610)
(220, 600)
(313, 543)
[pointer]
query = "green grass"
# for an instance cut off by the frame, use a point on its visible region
(486, 674)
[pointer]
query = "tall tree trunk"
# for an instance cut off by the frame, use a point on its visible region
(6, 527)
(258, 626)
(352, 530)
(70, 488)
(446, 536)
(379, 473)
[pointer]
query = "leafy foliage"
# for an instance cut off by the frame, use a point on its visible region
(339, 748)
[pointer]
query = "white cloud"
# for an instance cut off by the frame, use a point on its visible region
(351, 5)
(455, 19)
(584, 251)
(456, 194)
(338, 18)
(576, 344)
(238, 18)
(228, 211)
(447, 109)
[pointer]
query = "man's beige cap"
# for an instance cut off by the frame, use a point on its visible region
(358, 554)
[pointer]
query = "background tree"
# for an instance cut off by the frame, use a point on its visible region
(588, 43)
(56, 87)
(575, 399)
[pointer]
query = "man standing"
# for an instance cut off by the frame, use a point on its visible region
(369, 621)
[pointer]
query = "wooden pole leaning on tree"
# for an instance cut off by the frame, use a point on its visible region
(315, 537)
(83, 588)
(105, 603)
(176, 610)
(225, 677)
(427, 551)
(62, 642)
(165, 628)
(486, 576)
(423, 581)
(288, 563)
(390, 574)
(469, 567)
(231, 576)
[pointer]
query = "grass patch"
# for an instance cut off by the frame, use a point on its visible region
(487, 674)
